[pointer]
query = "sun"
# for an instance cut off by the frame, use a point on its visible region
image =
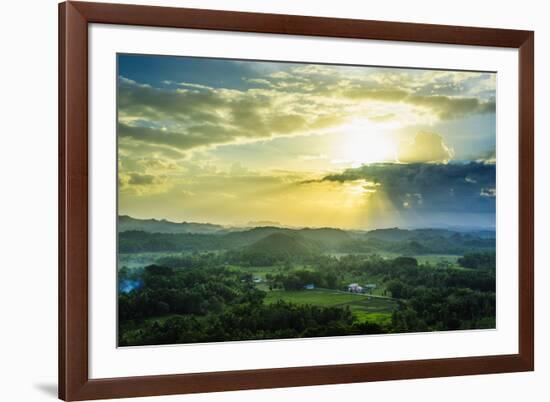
(363, 142)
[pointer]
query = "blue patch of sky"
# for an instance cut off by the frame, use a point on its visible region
(471, 137)
(158, 71)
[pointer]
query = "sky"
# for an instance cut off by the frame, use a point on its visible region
(249, 143)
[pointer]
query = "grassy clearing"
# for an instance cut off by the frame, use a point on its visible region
(373, 310)
(378, 318)
(441, 260)
(435, 259)
(318, 297)
(363, 307)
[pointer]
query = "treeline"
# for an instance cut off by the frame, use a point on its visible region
(431, 298)
(432, 309)
(298, 279)
(249, 321)
(200, 298)
(434, 299)
(253, 258)
(219, 304)
(197, 291)
(456, 244)
(407, 271)
(478, 260)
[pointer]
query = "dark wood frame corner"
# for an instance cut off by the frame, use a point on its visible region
(74, 382)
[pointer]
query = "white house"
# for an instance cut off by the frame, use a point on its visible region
(355, 288)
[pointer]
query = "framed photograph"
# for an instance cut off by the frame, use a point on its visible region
(260, 200)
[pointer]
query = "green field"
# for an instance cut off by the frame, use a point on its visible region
(435, 259)
(318, 297)
(441, 261)
(364, 307)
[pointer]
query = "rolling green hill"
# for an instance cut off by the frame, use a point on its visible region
(284, 244)
(327, 238)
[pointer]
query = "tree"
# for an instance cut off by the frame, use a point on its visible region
(396, 288)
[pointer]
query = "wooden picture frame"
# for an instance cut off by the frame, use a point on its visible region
(74, 381)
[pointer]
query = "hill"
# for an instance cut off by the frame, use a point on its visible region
(326, 238)
(274, 248)
(127, 223)
(392, 234)
(142, 235)
(284, 244)
(246, 237)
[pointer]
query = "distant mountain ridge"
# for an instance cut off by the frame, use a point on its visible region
(127, 223)
(397, 234)
(136, 235)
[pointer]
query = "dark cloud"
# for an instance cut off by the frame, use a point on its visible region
(430, 188)
(192, 137)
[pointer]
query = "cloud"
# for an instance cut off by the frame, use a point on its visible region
(488, 157)
(488, 192)
(447, 108)
(454, 83)
(128, 147)
(192, 137)
(428, 187)
(203, 116)
(155, 166)
(426, 147)
(141, 183)
(383, 94)
(296, 100)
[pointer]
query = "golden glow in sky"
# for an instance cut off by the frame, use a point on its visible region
(232, 142)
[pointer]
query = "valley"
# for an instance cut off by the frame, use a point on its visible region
(219, 284)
